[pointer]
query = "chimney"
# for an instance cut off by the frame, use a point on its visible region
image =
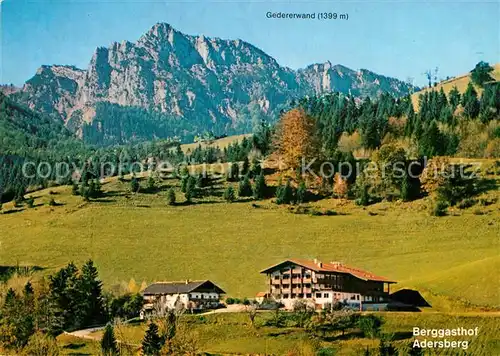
(318, 263)
(187, 281)
(336, 263)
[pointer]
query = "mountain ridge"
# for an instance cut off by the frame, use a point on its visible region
(221, 85)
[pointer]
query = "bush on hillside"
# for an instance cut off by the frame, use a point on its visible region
(229, 194)
(171, 197)
(245, 188)
(438, 208)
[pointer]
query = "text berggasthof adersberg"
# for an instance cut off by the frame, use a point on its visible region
(424, 338)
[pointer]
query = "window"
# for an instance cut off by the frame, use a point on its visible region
(301, 295)
(276, 277)
(326, 295)
(293, 296)
(353, 297)
(318, 295)
(285, 296)
(357, 297)
(308, 295)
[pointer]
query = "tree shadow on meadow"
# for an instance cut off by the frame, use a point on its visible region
(8, 271)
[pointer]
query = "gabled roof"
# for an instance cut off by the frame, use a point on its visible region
(181, 287)
(318, 266)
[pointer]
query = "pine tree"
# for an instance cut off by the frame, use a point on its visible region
(300, 195)
(470, 102)
(362, 195)
(233, 174)
(245, 187)
(256, 168)
(109, 346)
(93, 301)
(152, 343)
(10, 297)
(190, 189)
(260, 187)
(454, 98)
(433, 142)
(151, 184)
(229, 194)
(28, 291)
(409, 189)
(134, 185)
(184, 181)
(246, 166)
(171, 197)
(284, 193)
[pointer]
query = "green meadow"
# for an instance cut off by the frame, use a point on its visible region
(139, 236)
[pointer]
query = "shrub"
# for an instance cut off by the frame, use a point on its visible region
(363, 197)
(370, 325)
(438, 208)
(340, 187)
(245, 188)
(229, 194)
(41, 344)
(134, 185)
(486, 202)
(171, 197)
(466, 203)
(151, 184)
(52, 202)
(30, 202)
(300, 195)
(284, 194)
(260, 188)
(229, 301)
(478, 212)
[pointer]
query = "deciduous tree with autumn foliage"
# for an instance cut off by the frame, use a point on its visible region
(296, 138)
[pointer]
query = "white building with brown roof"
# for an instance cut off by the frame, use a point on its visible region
(191, 295)
(324, 284)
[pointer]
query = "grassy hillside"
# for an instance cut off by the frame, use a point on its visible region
(138, 236)
(221, 143)
(460, 82)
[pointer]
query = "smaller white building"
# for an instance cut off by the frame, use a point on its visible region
(190, 295)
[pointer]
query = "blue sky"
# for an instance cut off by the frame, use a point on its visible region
(400, 39)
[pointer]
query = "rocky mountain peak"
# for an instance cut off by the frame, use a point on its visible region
(212, 82)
